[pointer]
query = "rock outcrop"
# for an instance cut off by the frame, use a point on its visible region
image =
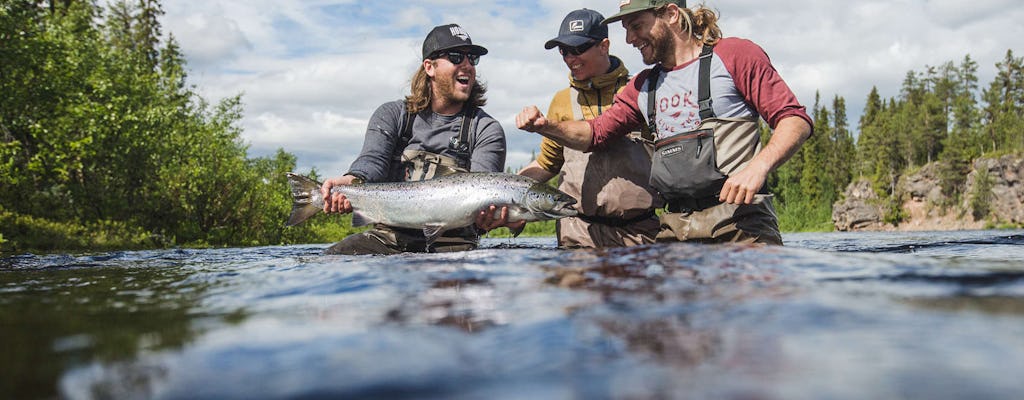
(859, 209)
(1005, 189)
(1000, 182)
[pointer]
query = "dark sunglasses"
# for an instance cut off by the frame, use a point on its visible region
(577, 50)
(456, 57)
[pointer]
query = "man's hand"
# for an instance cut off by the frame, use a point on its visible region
(741, 187)
(531, 120)
(789, 135)
(485, 220)
(572, 134)
(336, 202)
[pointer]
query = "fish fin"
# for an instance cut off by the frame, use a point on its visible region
(358, 219)
(517, 231)
(432, 232)
(305, 196)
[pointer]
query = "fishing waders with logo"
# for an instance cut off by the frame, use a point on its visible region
(415, 165)
(690, 168)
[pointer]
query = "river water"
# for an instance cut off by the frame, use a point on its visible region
(923, 315)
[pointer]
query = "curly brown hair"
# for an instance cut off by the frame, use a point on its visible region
(420, 93)
(700, 23)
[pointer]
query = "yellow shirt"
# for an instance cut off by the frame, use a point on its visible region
(595, 96)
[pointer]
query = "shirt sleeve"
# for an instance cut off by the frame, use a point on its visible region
(551, 157)
(622, 117)
(759, 82)
(374, 161)
(489, 150)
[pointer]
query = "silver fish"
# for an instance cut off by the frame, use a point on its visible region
(436, 205)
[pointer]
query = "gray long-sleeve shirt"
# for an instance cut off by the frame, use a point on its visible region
(431, 132)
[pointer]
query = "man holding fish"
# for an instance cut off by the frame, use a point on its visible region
(437, 130)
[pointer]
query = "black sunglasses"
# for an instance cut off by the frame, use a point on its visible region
(577, 50)
(456, 57)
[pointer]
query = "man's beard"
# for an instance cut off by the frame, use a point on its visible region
(661, 47)
(444, 87)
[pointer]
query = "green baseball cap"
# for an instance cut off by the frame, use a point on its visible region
(627, 7)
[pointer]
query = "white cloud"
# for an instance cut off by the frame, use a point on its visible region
(312, 72)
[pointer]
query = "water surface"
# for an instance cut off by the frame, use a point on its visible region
(922, 315)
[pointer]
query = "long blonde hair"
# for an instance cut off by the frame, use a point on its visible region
(420, 93)
(699, 23)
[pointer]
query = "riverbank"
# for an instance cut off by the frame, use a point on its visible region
(992, 197)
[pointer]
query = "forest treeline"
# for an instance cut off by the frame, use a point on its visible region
(105, 145)
(941, 114)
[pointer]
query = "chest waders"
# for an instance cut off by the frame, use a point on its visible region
(690, 168)
(617, 207)
(418, 165)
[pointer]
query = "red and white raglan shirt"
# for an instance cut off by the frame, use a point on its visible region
(744, 84)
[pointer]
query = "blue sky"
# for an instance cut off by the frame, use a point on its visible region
(311, 72)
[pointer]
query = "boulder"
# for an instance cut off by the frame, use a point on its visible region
(859, 209)
(923, 185)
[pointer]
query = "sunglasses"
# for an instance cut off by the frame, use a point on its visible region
(456, 57)
(577, 50)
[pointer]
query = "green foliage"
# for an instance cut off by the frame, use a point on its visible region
(893, 210)
(803, 216)
(937, 116)
(532, 229)
(33, 234)
(101, 137)
(981, 196)
(808, 184)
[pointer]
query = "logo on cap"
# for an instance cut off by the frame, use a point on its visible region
(576, 25)
(623, 3)
(458, 32)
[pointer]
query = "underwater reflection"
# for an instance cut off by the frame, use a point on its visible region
(57, 316)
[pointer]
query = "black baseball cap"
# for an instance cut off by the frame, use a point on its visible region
(579, 27)
(449, 36)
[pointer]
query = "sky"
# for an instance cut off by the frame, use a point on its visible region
(311, 72)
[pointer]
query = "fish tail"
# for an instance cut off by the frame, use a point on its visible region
(306, 198)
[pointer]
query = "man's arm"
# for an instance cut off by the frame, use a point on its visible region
(789, 135)
(490, 147)
(382, 132)
(572, 134)
(536, 172)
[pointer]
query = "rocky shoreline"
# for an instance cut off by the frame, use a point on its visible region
(925, 208)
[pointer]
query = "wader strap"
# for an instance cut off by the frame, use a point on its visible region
(617, 222)
(577, 109)
(460, 144)
(690, 204)
(652, 99)
(704, 83)
(405, 132)
(703, 89)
